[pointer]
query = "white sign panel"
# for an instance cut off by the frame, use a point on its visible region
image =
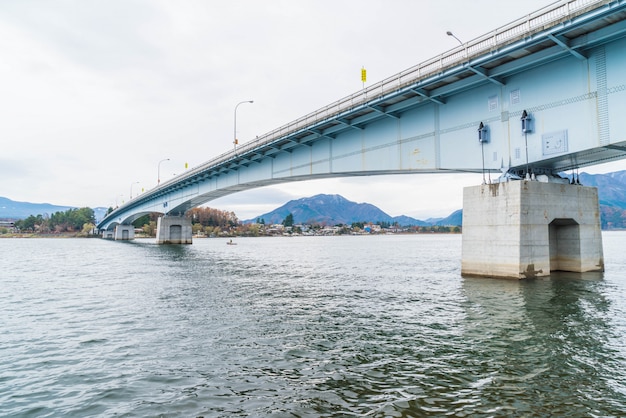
(554, 143)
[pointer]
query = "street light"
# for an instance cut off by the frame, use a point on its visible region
(235, 133)
(452, 34)
(159, 172)
(482, 138)
(131, 188)
(526, 128)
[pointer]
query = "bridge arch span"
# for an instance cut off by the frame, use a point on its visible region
(178, 200)
(128, 219)
(560, 69)
(539, 96)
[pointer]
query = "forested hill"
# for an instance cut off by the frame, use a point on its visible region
(333, 210)
(612, 197)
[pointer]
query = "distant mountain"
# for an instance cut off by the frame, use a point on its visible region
(403, 220)
(19, 210)
(611, 187)
(10, 209)
(332, 210)
(454, 219)
(612, 197)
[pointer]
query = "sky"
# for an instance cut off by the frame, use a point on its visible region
(100, 98)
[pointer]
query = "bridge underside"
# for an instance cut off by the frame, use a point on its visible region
(575, 160)
(543, 95)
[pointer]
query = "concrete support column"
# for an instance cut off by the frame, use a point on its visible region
(173, 230)
(124, 232)
(524, 229)
(108, 234)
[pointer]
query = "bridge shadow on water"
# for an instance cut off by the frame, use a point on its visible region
(547, 346)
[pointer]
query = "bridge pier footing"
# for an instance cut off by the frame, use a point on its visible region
(173, 230)
(124, 233)
(524, 229)
(108, 234)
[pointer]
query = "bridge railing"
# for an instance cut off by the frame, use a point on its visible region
(534, 22)
(564, 9)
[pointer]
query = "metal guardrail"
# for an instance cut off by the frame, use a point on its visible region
(518, 29)
(525, 26)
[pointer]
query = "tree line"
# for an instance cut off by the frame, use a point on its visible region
(207, 221)
(72, 220)
(215, 222)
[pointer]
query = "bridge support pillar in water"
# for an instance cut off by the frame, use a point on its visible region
(124, 233)
(524, 229)
(173, 230)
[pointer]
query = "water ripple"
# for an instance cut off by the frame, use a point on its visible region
(325, 326)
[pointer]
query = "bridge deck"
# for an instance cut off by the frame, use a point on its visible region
(568, 28)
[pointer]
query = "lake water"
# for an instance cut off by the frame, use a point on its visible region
(302, 327)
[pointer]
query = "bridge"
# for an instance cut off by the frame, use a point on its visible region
(542, 95)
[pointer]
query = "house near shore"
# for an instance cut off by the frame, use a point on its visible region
(9, 225)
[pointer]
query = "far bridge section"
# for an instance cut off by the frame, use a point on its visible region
(542, 95)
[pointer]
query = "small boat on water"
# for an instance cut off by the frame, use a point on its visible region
(231, 242)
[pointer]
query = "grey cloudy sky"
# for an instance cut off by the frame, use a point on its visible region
(93, 94)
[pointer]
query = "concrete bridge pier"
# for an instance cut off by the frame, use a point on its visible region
(124, 232)
(173, 230)
(525, 229)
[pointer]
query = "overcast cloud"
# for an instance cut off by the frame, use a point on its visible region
(93, 94)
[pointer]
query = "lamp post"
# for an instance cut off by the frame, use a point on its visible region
(235, 133)
(482, 138)
(131, 188)
(452, 34)
(526, 128)
(159, 171)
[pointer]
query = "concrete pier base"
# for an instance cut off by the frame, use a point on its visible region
(124, 232)
(524, 229)
(173, 230)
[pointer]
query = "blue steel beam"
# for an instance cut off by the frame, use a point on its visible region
(565, 28)
(428, 96)
(377, 108)
(485, 74)
(564, 43)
